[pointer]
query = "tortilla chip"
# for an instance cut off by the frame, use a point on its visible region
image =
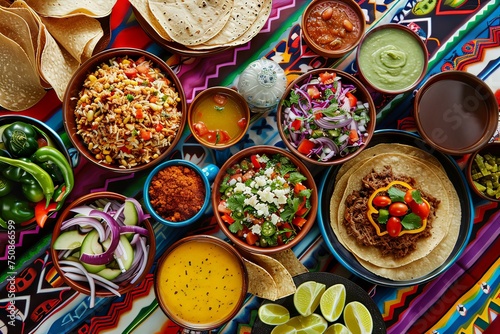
(57, 65)
(19, 84)
(260, 282)
(75, 33)
(284, 281)
(292, 264)
(65, 8)
(142, 7)
(191, 23)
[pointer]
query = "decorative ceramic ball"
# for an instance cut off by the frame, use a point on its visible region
(262, 84)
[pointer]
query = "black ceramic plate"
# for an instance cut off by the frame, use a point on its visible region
(327, 185)
(353, 293)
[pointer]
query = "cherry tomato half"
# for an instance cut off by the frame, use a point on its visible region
(398, 209)
(381, 201)
(394, 226)
(200, 128)
(220, 99)
(422, 209)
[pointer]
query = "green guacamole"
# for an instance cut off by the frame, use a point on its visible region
(391, 59)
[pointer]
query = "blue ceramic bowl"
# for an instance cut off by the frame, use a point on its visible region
(207, 173)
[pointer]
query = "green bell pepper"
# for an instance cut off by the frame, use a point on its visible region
(41, 176)
(4, 153)
(31, 189)
(6, 186)
(17, 209)
(14, 173)
(20, 139)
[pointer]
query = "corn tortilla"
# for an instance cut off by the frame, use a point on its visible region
(142, 7)
(65, 8)
(292, 264)
(260, 282)
(428, 179)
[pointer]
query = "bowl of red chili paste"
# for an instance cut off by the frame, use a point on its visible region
(264, 199)
(177, 192)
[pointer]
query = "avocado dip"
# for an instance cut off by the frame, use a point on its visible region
(391, 59)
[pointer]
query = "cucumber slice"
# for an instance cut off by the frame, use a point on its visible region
(69, 240)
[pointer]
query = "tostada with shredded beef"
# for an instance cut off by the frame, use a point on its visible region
(397, 213)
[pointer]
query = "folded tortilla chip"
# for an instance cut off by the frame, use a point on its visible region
(260, 282)
(292, 264)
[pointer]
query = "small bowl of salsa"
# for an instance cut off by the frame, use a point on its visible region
(332, 28)
(218, 117)
(200, 282)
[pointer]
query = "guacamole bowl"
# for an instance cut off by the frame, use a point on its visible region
(392, 59)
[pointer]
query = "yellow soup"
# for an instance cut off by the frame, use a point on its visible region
(218, 119)
(200, 283)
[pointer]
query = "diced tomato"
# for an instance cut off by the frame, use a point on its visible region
(318, 115)
(153, 99)
(296, 124)
(131, 73)
(255, 161)
(158, 127)
(200, 128)
(298, 188)
(299, 221)
(353, 136)
(143, 68)
(139, 114)
(146, 135)
(211, 136)
(251, 238)
(287, 226)
(242, 122)
(224, 137)
(222, 207)
(220, 99)
(125, 149)
(327, 77)
(302, 209)
(313, 92)
(42, 142)
(352, 99)
(227, 218)
(305, 146)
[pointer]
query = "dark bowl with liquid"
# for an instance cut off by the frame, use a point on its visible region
(456, 112)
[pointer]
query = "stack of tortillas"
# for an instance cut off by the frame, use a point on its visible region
(42, 45)
(205, 24)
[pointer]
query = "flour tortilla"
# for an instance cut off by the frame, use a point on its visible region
(20, 86)
(256, 26)
(65, 8)
(242, 17)
(142, 7)
(191, 22)
(428, 179)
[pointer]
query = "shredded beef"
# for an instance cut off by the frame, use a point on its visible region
(359, 227)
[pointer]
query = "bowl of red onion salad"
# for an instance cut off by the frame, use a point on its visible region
(103, 245)
(326, 117)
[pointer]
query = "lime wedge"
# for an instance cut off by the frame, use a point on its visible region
(337, 329)
(307, 297)
(284, 329)
(273, 314)
(357, 318)
(311, 324)
(332, 302)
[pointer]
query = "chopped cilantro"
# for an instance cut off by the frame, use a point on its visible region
(396, 194)
(296, 177)
(383, 216)
(411, 222)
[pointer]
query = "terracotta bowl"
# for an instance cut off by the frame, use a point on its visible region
(221, 217)
(217, 299)
(361, 93)
(492, 148)
(222, 127)
(349, 34)
(135, 134)
(391, 42)
(456, 112)
(83, 286)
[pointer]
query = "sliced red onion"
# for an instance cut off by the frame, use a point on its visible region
(107, 256)
(136, 263)
(89, 279)
(86, 221)
(327, 142)
(134, 229)
(82, 210)
(145, 250)
(325, 124)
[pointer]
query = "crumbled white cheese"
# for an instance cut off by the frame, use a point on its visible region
(275, 219)
(266, 195)
(261, 180)
(239, 187)
(256, 229)
(252, 201)
(262, 209)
